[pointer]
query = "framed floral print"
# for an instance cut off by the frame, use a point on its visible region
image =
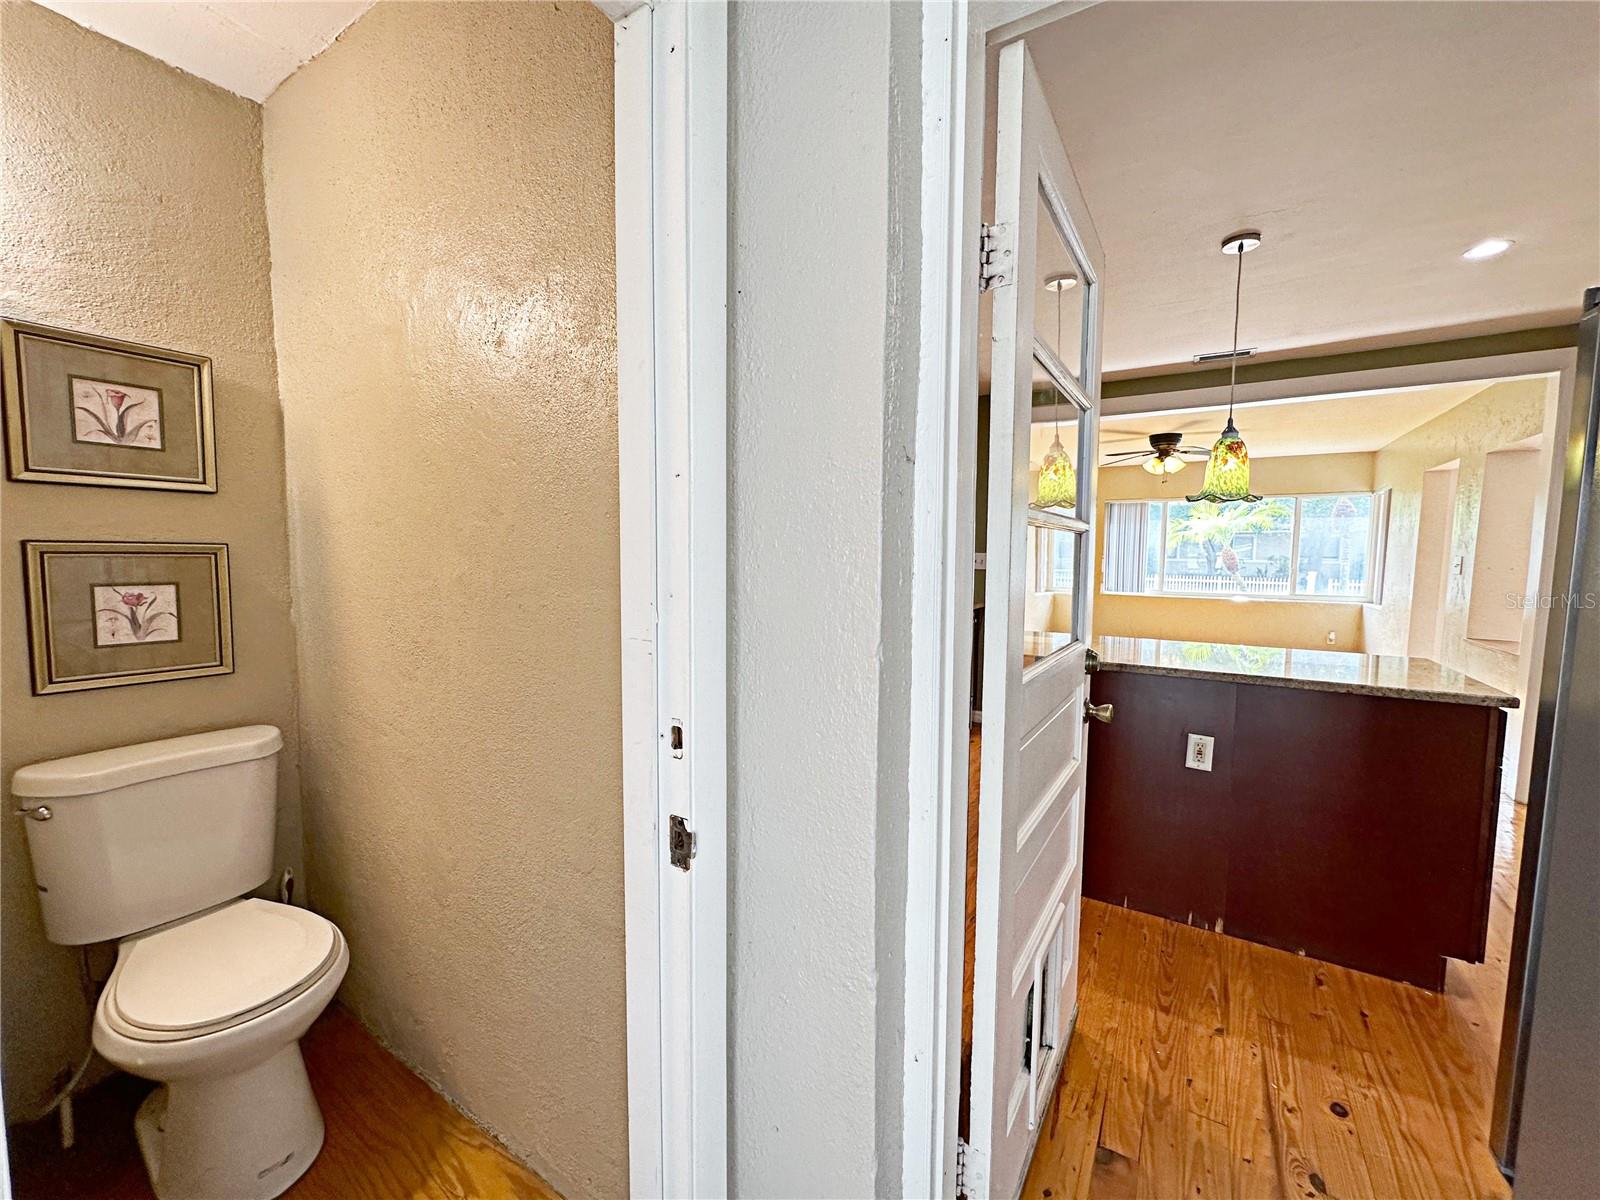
(105, 614)
(93, 410)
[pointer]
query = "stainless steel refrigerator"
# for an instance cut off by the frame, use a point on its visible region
(1546, 1125)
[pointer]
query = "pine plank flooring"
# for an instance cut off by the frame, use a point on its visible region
(1205, 1066)
(389, 1136)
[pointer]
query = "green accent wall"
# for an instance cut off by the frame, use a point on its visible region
(1553, 337)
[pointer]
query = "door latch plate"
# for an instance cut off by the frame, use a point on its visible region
(680, 842)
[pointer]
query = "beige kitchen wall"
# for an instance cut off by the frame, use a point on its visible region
(1294, 623)
(440, 196)
(132, 206)
(1502, 415)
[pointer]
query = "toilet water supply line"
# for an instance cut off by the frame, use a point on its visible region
(63, 1099)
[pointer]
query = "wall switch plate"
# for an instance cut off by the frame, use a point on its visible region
(1198, 755)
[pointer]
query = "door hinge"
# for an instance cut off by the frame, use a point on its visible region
(971, 1178)
(996, 257)
(680, 842)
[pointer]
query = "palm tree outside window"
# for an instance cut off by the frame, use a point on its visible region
(1324, 547)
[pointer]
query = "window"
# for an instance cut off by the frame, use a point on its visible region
(1335, 537)
(1323, 547)
(1228, 548)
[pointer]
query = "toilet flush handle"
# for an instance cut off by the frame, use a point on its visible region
(39, 812)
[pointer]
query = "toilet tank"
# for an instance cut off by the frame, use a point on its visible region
(140, 835)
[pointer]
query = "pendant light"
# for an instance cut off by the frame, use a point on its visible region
(1228, 470)
(1058, 482)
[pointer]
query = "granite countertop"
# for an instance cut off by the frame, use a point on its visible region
(1313, 670)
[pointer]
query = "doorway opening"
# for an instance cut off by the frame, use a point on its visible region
(1207, 1048)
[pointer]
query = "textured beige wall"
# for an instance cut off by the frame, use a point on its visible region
(1301, 624)
(131, 205)
(1499, 416)
(440, 190)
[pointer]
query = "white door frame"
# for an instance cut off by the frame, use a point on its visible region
(957, 37)
(671, 65)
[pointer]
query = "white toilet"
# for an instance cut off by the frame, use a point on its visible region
(156, 844)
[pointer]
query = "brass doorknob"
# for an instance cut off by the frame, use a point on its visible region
(1100, 712)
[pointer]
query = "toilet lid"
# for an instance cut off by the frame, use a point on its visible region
(210, 968)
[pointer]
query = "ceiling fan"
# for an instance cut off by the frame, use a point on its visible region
(1166, 456)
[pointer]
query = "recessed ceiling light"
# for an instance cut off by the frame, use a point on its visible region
(1487, 248)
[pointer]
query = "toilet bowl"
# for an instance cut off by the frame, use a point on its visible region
(158, 846)
(213, 1007)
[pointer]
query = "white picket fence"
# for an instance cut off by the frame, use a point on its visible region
(1234, 585)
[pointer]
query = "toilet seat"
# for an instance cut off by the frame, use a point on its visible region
(217, 970)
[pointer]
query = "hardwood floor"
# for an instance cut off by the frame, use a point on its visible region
(1205, 1066)
(389, 1137)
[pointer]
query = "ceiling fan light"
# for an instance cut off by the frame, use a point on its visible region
(1155, 466)
(1173, 465)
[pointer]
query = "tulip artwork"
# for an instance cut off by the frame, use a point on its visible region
(134, 613)
(107, 614)
(97, 412)
(112, 414)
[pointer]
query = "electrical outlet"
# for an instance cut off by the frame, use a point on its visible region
(980, 561)
(1333, 638)
(1198, 756)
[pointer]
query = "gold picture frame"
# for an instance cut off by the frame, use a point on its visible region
(109, 614)
(93, 410)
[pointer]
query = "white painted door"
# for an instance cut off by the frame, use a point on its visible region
(1045, 389)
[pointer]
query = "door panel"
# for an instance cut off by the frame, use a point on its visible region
(1050, 760)
(1044, 407)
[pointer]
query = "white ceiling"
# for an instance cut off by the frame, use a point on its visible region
(1371, 142)
(246, 46)
(1342, 424)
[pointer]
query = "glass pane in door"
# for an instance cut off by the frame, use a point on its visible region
(1050, 602)
(1055, 447)
(1060, 288)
